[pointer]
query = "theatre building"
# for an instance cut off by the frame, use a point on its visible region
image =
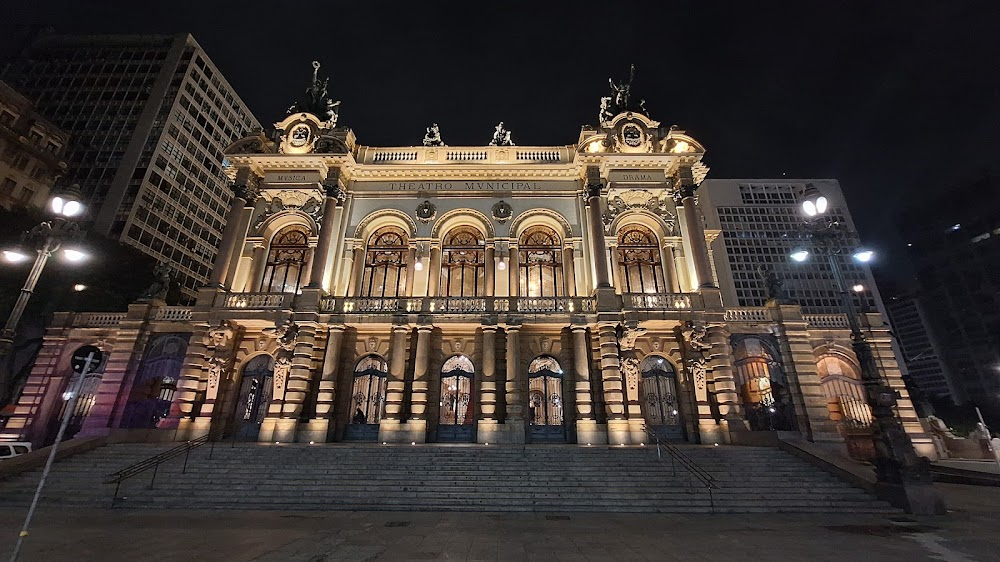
(584, 293)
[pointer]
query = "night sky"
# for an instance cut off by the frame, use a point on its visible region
(896, 100)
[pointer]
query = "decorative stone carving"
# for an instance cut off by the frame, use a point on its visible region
(372, 344)
(775, 285)
(219, 339)
(639, 199)
(282, 366)
(695, 333)
(457, 344)
(291, 201)
(426, 212)
(502, 211)
(501, 136)
(698, 367)
(629, 367)
(433, 136)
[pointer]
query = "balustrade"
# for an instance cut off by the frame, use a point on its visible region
(99, 319)
(665, 301)
(173, 314)
(826, 320)
(255, 301)
(748, 315)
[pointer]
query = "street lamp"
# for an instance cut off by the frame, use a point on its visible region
(43, 240)
(902, 474)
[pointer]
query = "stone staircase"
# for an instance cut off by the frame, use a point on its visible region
(557, 478)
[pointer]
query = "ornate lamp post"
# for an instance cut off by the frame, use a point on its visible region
(903, 476)
(44, 239)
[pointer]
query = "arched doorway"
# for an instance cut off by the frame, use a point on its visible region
(367, 398)
(659, 398)
(253, 399)
(761, 383)
(457, 418)
(545, 401)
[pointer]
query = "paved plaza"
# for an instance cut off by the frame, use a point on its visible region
(969, 532)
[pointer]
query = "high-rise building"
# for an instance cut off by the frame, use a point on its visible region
(954, 244)
(31, 151)
(920, 351)
(761, 224)
(150, 116)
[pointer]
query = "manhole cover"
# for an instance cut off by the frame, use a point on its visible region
(397, 524)
(557, 517)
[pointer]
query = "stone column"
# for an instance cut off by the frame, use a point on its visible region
(514, 421)
(587, 430)
(327, 230)
(583, 279)
(514, 273)
(241, 234)
(617, 274)
(720, 361)
(490, 268)
(357, 270)
(297, 386)
(434, 275)
(488, 425)
(812, 417)
(880, 341)
(611, 380)
(569, 271)
(396, 385)
(597, 242)
(322, 427)
(694, 232)
(244, 190)
(257, 264)
(417, 424)
(669, 273)
(411, 261)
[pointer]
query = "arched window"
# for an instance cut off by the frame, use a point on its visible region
(842, 385)
(545, 399)
(385, 267)
(640, 268)
(456, 391)
(540, 261)
(462, 263)
(286, 260)
(368, 394)
(659, 389)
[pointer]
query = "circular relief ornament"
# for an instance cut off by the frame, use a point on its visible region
(426, 211)
(502, 211)
(299, 135)
(632, 135)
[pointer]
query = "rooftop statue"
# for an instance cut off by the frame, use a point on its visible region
(621, 99)
(501, 136)
(433, 136)
(317, 100)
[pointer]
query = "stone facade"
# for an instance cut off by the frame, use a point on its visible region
(500, 294)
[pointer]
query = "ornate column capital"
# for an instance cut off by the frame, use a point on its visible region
(331, 186)
(593, 182)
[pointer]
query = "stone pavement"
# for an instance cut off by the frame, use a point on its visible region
(970, 532)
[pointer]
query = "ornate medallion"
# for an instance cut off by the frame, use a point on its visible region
(502, 211)
(426, 211)
(299, 136)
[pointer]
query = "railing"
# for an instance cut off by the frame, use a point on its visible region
(666, 301)
(443, 155)
(677, 456)
(394, 156)
(255, 301)
(154, 463)
(538, 155)
(456, 305)
(826, 320)
(748, 315)
(173, 314)
(99, 319)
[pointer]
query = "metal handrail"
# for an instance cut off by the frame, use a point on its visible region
(692, 467)
(154, 462)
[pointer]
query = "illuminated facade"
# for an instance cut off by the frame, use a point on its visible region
(500, 294)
